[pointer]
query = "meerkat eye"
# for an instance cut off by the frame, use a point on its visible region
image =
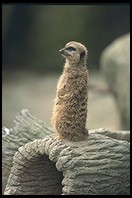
(82, 55)
(71, 49)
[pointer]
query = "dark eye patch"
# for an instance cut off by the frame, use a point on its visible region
(71, 49)
(82, 55)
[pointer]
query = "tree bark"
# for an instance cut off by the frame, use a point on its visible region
(25, 128)
(37, 163)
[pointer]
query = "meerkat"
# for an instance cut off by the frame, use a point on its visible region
(70, 109)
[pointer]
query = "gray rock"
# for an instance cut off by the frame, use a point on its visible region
(115, 66)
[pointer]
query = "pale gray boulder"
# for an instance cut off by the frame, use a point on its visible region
(115, 66)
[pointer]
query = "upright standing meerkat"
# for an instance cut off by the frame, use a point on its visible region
(70, 108)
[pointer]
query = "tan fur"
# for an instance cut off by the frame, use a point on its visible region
(70, 108)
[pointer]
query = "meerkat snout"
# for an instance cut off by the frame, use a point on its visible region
(61, 50)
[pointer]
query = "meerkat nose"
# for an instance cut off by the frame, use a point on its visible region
(61, 50)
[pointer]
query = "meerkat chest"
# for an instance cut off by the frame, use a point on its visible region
(62, 81)
(70, 85)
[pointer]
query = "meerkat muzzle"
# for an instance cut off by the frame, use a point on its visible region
(65, 52)
(62, 50)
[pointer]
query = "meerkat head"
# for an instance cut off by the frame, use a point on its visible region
(74, 52)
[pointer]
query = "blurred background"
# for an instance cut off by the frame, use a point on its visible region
(32, 34)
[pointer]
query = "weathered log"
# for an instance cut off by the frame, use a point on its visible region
(43, 165)
(25, 128)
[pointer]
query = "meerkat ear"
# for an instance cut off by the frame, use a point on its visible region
(82, 55)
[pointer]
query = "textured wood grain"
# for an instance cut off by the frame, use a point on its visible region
(25, 128)
(32, 172)
(44, 165)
